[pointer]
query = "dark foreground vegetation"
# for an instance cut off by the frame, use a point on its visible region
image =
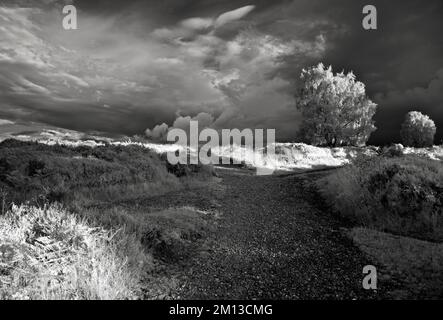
(39, 174)
(56, 242)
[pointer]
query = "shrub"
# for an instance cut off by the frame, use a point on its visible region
(50, 254)
(401, 195)
(418, 130)
(394, 150)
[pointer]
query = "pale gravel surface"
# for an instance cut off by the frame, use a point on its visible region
(273, 240)
(273, 243)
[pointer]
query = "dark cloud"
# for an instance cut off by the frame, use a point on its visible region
(427, 99)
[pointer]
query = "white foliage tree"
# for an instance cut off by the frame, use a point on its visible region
(335, 108)
(418, 130)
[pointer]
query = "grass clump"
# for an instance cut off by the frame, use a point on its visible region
(402, 195)
(48, 253)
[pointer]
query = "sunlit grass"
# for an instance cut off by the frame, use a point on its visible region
(49, 253)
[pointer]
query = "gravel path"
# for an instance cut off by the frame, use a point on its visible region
(273, 241)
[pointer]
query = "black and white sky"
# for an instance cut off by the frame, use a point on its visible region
(132, 65)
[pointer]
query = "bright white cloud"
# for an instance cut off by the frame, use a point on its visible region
(233, 15)
(4, 122)
(159, 132)
(197, 23)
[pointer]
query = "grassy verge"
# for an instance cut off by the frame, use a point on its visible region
(56, 242)
(416, 263)
(402, 195)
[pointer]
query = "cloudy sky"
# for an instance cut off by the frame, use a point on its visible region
(133, 65)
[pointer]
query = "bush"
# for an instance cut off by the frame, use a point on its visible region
(395, 150)
(418, 130)
(50, 254)
(400, 195)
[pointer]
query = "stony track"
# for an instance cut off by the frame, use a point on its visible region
(274, 240)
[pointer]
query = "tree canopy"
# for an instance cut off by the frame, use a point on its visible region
(418, 130)
(335, 108)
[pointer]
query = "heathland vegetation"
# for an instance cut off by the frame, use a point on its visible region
(401, 194)
(54, 241)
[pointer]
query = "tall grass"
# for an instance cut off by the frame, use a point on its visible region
(403, 195)
(49, 253)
